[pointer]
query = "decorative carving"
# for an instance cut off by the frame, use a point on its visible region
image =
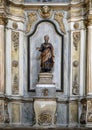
(75, 90)
(76, 25)
(45, 92)
(15, 10)
(15, 40)
(32, 17)
(89, 113)
(6, 119)
(15, 84)
(14, 63)
(45, 118)
(75, 12)
(1, 112)
(15, 25)
(89, 22)
(3, 20)
(84, 110)
(75, 63)
(76, 39)
(18, 0)
(59, 18)
(45, 12)
(14, 59)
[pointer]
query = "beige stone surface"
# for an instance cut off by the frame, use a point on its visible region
(45, 78)
(1, 58)
(89, 61)
(15, 113)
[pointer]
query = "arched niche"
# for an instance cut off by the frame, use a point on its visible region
(35, 39)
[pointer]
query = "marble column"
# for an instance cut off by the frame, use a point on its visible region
(89, 56)
(1, 55)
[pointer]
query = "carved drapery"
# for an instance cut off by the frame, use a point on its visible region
(14, 61)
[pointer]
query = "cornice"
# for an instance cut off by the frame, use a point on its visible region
(63, 6)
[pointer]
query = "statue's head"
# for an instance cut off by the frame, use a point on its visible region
(46, 38)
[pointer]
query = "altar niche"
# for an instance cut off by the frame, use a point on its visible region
(35, 39)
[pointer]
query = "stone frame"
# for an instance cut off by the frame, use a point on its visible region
(62, 56)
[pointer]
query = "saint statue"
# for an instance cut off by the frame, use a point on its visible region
(47, 55)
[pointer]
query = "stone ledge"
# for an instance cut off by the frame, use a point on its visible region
(39, 128)
(44, 129)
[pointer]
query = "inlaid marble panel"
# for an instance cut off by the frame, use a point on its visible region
(62, 113)
(15, 113)
(73, 114)
(28, 113)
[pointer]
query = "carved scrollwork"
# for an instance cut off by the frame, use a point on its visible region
(59, 18)
(45, 12)
(45, 118)
(76, 39)
(32, 17)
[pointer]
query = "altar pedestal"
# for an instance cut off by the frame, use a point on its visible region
(45, 101)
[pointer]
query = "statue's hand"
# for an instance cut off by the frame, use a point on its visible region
(37, 48)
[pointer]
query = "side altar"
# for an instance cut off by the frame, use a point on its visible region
(45, 99)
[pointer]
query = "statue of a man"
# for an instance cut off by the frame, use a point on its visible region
(47, 55)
